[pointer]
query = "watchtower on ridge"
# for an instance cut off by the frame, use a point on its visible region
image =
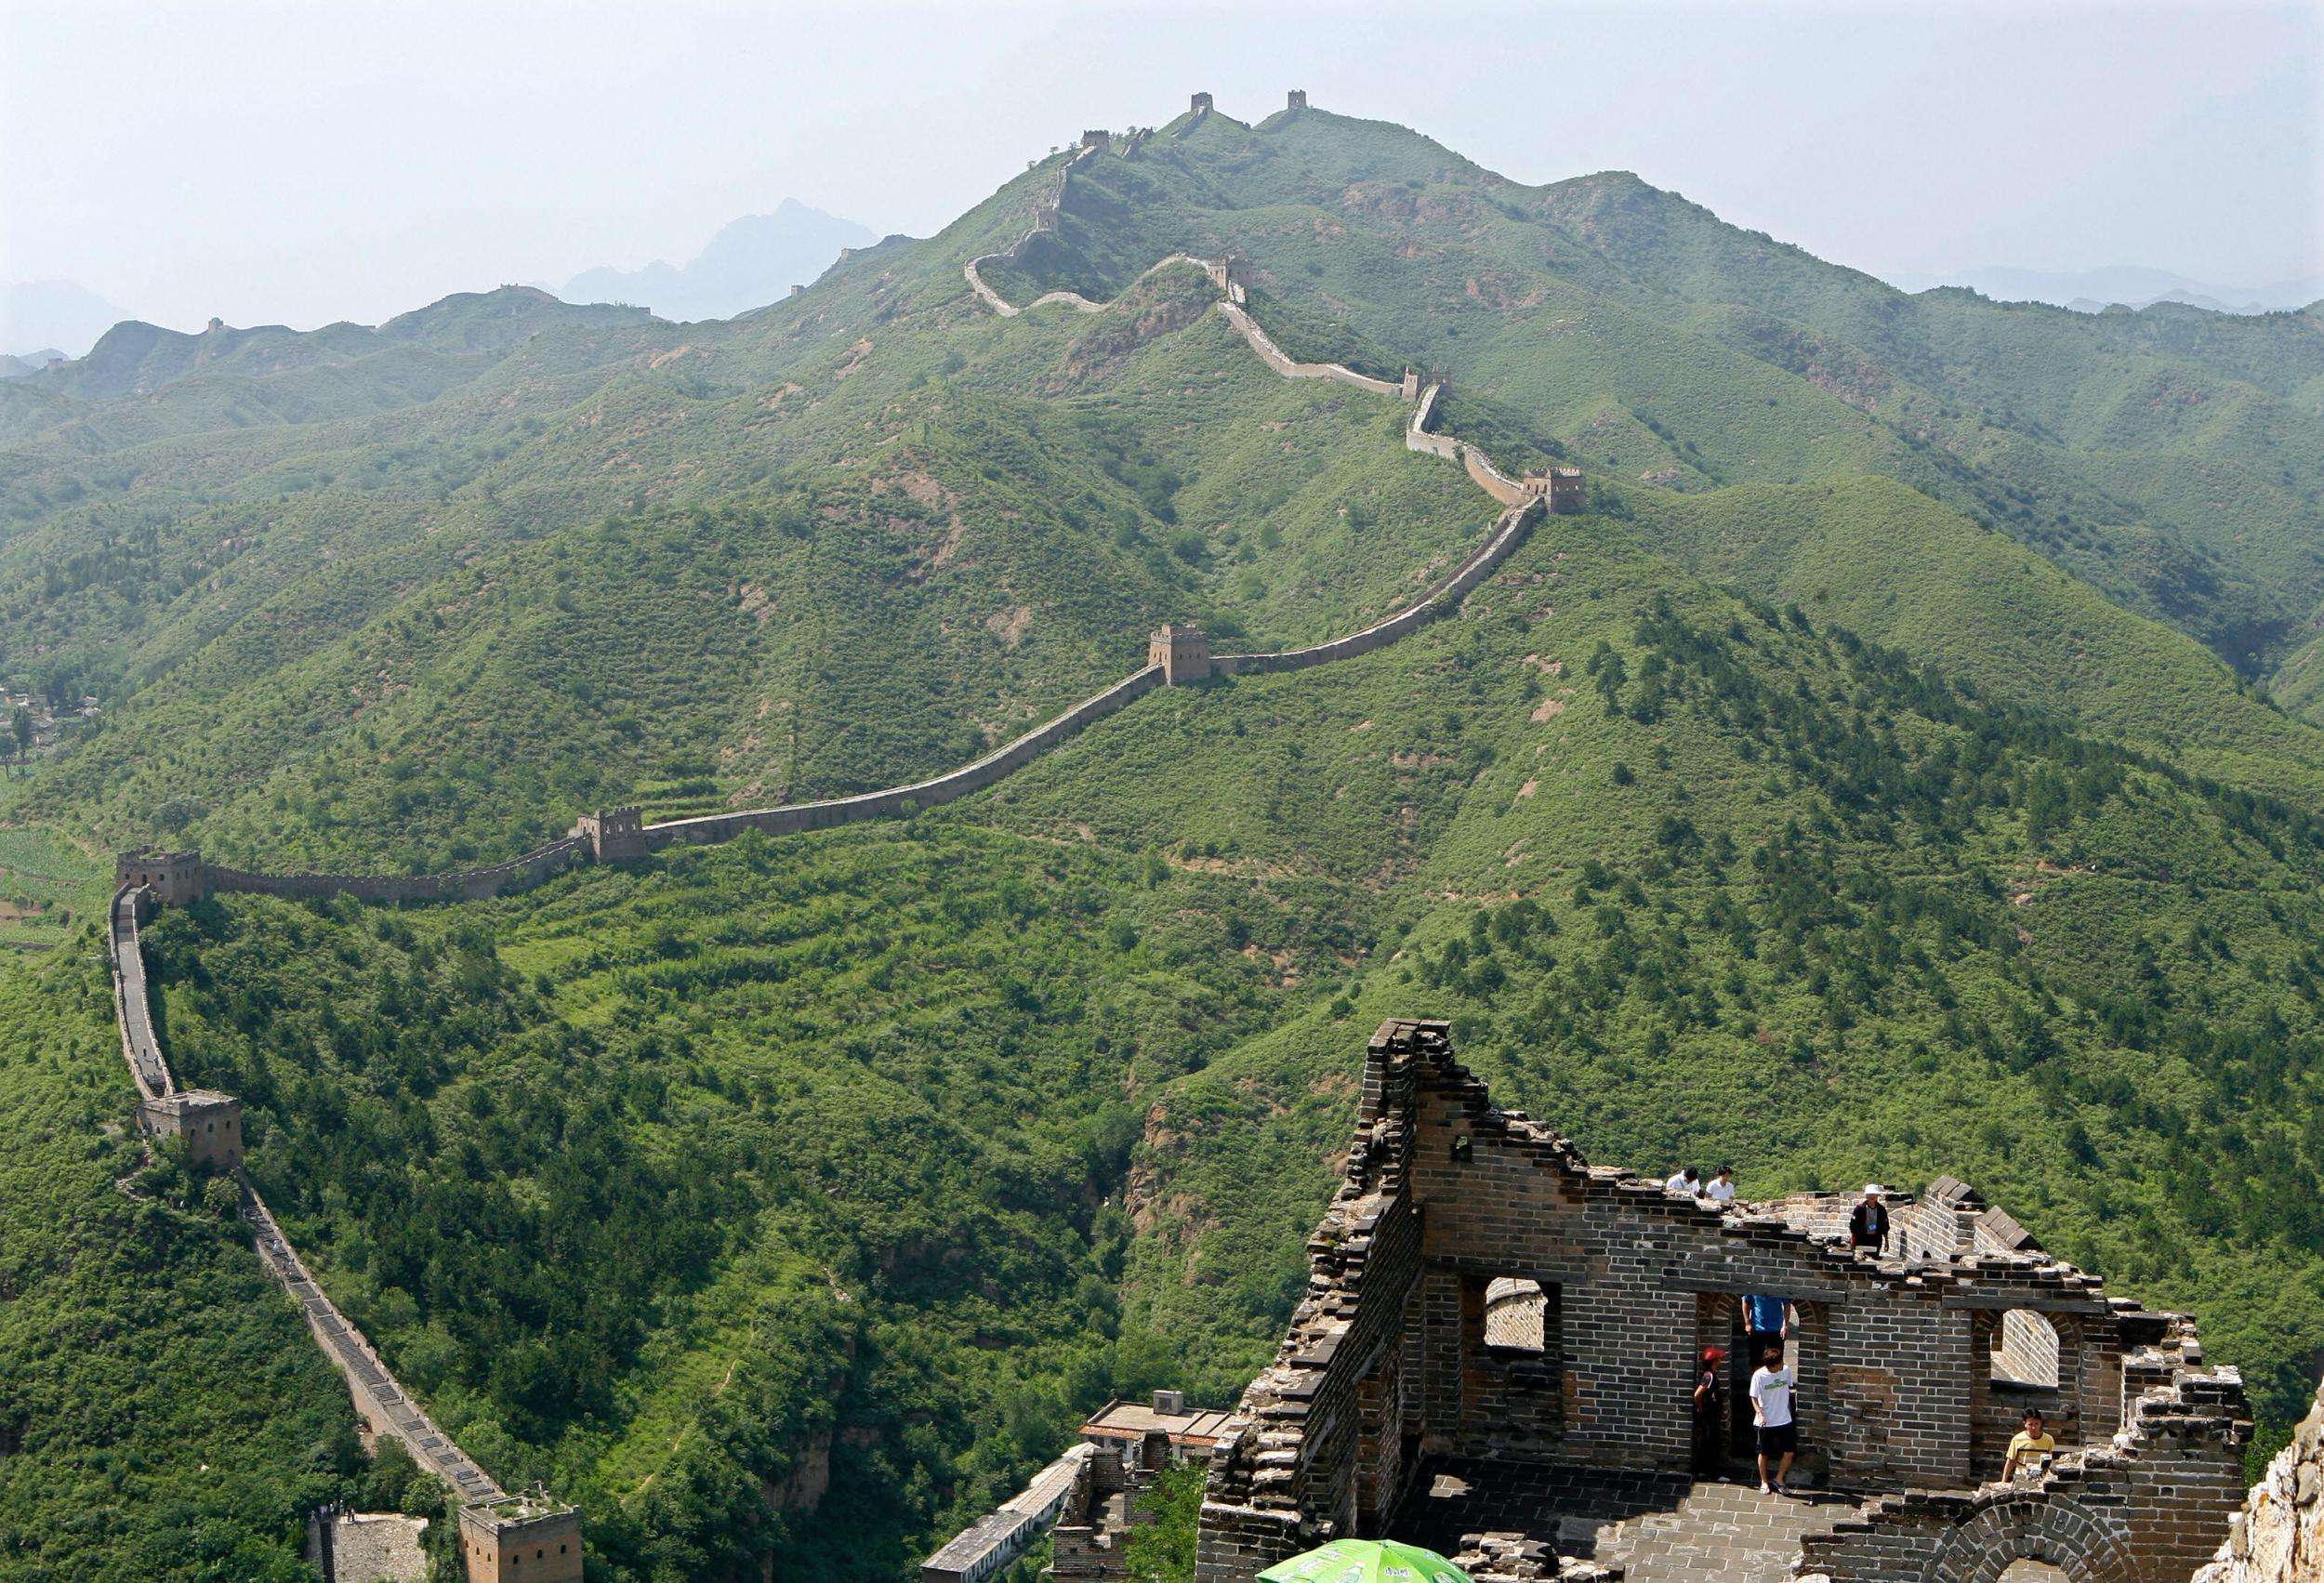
(1097, 138)
(1295, 100)
(1183, 650)
(1562, 487)
(1198, 104)
(174, 878)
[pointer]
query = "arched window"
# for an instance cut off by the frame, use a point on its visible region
(1515, 1312)
(2025, 1350)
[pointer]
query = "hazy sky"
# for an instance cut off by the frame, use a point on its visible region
(343, 159)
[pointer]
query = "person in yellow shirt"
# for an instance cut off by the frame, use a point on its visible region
(2028, 1446)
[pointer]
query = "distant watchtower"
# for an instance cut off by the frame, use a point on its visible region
(174, 878)
(1097, 138)
(1410, 389)
(1561, 487)
(210, 1123)
(616, 835)
(531, 1538)
(1295, 100)
(1199, 103)
(1183, 651)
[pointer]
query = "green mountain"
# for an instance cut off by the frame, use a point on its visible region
(1879, 778)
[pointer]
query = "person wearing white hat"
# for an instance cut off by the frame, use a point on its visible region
(1868, 1226)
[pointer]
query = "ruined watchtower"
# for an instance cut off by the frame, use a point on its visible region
(1562, 487)
(529, 1537)
(1183, 650)
(1487, 1312)
(1295, 100)
(210, 1123)
(174, 878)
(1097, 138)
(615, 835)
(1199, 103)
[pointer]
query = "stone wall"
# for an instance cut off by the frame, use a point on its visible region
(1490, 478)
(992, 1542)
(1449, 1200)
(387, 1408)
(1290, 368)
(462, 885)
(921, 794)
(1417, 435)
(132, 1012)
(2279, 1534)
(1509, 530)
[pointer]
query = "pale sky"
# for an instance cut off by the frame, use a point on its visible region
(351, 159)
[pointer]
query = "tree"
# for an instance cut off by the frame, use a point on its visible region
(21, 727)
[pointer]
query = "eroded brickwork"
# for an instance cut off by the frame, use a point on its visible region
(1409, 1344)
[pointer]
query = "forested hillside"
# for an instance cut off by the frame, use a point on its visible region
(1880, 780)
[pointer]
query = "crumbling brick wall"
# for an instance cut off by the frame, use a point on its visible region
(1448, 1198)
(2279, 1534)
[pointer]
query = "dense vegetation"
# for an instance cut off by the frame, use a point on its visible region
(162, 1411)
(1860, 790)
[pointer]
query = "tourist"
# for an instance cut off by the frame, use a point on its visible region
(1684, 1180)
(1868, 1226)
(1765, 1324)
(1710, 1421)
(2029, 1447)
(1722, 1187)
(1771, 1418)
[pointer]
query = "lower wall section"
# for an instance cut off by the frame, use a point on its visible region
(383, 1403)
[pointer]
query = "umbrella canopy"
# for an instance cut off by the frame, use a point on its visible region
(1364, 1560)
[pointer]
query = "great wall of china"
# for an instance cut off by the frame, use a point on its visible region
(495, 1527)
(1274, 1486)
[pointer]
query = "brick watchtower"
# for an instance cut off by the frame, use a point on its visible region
(616, 835)
(174, 878)
(1183, 651)
(1097, 138)
(1198, 104)
(210, 1123)
(1562, 487)
(529, 1538)
(1295, 100)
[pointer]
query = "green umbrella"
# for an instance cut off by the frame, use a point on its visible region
(1364, 1560)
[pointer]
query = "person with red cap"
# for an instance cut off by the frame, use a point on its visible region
(1710, 1419)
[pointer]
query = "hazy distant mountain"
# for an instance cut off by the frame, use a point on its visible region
(15, 366)
(752, 262)
(48, 314)
(2087, 291)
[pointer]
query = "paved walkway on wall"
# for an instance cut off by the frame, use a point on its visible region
(1660, 1527)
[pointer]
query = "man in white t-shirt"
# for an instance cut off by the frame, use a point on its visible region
(1684, 1180)
(1722, 1187)
(1778, 1437)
